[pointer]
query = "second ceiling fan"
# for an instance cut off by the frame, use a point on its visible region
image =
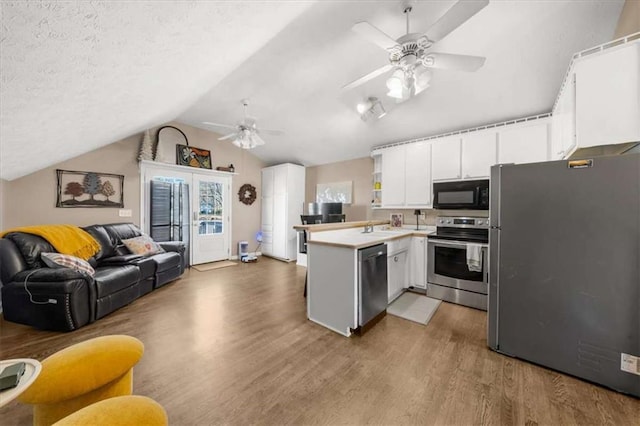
(410, 56)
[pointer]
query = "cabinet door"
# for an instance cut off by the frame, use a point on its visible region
(523, 143)
(478, 153)
(417, 263)
(397, 274)
(445, 158)
(608, 97)
(280, 179)
(563, 122)
(393, 179)
(279, 225)
(418, 174)
(267, 181)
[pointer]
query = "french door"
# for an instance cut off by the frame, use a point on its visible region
(211, 224)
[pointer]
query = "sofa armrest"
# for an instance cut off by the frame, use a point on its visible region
(125, 259)
(175, 246)
(49, 275)
(48, 301)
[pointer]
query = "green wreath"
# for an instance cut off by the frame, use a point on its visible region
(247, 194)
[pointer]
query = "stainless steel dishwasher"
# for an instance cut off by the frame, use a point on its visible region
(372, 283)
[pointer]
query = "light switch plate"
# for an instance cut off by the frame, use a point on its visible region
(124, 212)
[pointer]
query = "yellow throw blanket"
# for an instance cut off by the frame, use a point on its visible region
(67, 239)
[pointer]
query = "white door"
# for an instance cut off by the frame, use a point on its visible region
(211, 219)
(417, 262)
(445, 158)
(478, 153)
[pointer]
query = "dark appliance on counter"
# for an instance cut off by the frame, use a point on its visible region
(457, 261)
(564, 288)
(461, 195)
(330, 212)
(372, 285)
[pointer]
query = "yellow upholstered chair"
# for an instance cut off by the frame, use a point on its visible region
(82, 374)
(122, 410)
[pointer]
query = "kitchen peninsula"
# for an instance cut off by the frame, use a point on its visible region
(335, 298)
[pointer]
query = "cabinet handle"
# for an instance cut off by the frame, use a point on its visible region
(395, 258)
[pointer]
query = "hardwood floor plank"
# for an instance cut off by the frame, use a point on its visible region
(234, 346)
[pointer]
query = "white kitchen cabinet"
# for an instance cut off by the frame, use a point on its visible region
(418, 262)
(563, 121)
(393, 176)
(479, 153)
(524, 142)
(282, 201)
(418, 174)
(397, 273)
(445, 158)
(608, 96)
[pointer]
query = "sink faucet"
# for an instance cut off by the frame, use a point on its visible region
(368, 228)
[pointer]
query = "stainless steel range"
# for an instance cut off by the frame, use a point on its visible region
(457, 261)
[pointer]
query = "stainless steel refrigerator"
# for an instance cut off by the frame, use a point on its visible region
(170, 212)
(564, 273)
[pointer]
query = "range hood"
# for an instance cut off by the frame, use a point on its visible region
(613, 149)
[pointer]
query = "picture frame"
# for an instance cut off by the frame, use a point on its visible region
(193, 157)
(396, 220)
(89, 189)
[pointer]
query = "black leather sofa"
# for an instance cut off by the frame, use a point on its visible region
(64, 299)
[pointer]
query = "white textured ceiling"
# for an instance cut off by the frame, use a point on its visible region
(79, 75)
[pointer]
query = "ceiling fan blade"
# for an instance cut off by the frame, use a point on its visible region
(224, 126)
(455, 62)
(257, 139)
(374, 35)
(229, 136)
(270, 132)
(454, 17)
(370, 76)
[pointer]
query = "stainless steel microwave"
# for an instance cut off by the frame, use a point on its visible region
(464, 194)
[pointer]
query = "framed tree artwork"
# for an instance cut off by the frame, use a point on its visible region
(89, 189)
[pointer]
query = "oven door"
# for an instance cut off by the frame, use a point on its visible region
(447, 266)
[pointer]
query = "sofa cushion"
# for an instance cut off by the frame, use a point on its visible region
(30, 247)
(110, 279)
(107, 247)
(58, 260)
(166, 261)
(142, 245)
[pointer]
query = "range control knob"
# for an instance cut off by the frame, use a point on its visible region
(448, 222)
(480, 222)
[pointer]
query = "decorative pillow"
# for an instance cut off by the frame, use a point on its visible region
(58, 260)
(143, 245)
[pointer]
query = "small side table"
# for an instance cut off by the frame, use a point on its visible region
(31, 371)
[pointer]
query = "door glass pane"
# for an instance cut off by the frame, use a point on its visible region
(210, 211)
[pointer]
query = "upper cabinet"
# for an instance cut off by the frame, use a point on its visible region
(445, 162)
(418, 174)
(608, 96)
(393, 176)
(563, 121)
(479, 153)
(525, 142)
(405, 175)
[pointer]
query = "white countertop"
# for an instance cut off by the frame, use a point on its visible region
(355, 238)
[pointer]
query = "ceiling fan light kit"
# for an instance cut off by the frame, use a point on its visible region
(372, 107)
(246, 134)
(410, 56)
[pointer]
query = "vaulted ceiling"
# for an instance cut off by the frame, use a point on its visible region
(79, 75)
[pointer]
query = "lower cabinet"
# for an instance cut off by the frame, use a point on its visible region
(397, 266)
(418, 262)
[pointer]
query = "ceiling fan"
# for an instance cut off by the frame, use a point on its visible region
(246, 133)
(410, 56)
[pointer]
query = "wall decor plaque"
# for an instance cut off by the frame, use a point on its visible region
(89, 189)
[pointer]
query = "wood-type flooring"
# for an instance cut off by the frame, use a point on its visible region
(234, 346)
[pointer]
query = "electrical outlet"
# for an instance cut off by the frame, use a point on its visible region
(124, 212)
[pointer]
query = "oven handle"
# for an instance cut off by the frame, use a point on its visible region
(456, 244)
